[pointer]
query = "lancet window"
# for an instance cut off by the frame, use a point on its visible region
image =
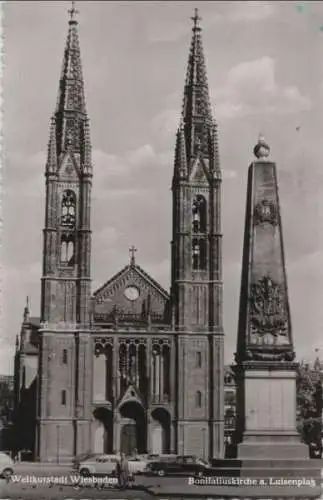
(67, 250)
(132, 367)
(68, 209)
(160, 372)
(198, 399)
(199, 254)
(199, 214)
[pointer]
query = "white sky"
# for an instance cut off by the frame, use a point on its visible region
(265, 71)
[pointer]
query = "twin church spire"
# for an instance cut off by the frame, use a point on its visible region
(197, 132)
(69, 129)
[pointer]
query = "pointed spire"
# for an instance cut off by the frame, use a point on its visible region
(196, 105)
(71, 98)
(26, 310)
(69, 127)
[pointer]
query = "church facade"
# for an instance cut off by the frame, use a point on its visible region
(130, 366)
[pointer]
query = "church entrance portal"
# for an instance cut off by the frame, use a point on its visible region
(160, 431)
(103, 433)
(132, 428)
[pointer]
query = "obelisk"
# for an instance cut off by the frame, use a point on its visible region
(266, 370)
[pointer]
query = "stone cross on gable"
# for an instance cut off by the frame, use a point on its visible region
(132, 251)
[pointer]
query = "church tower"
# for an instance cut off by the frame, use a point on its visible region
(197, 266)
(63, 421)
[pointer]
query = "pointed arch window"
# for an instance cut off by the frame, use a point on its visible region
(198, 359)
(198, 399)
(199, 214)
(68, 209)
(67, 256)
(199, 254)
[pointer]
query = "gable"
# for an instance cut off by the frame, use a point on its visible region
(131, 293)
(68, 169)
(131, 395)
(199, 172)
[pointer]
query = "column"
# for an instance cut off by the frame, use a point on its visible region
(173, 444)
(149, 450)
(116, 432)
(127, 364)
(157, 368)
(152, 376)
(115, 377)
(137, 364)
(161, 373)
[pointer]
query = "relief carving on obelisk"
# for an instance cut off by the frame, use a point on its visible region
(265, 211)
(267, 313)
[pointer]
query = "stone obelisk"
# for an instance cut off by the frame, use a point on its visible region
(266, 370)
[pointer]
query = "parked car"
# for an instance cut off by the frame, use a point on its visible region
(98, 465)
(180, 465)
(163, 457)
(6, 466)
(81, 458)
(137, 464)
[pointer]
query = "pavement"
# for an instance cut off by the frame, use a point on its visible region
(34, 481)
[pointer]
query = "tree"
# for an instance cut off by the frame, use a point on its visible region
(309, 407)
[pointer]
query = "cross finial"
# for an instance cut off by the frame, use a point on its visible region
(72, 12)
(196, 18)
(132, 251)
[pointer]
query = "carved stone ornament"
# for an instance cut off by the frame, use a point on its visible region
(266, 212)
(275, 355)
(268, 314)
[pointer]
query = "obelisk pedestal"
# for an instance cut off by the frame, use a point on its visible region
(266, 371)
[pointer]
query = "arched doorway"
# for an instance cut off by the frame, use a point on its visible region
(160, 431)
(103, 433)
(132, 428)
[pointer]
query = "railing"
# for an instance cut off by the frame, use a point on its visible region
(112, 317)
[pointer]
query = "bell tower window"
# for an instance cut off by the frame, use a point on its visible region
(68, 209)
(67, 250)
(199, 254)
(199, 214)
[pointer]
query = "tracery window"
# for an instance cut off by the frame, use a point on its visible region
(68, 209)
(199, 214)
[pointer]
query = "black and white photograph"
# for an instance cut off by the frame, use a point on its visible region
(162, 250)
